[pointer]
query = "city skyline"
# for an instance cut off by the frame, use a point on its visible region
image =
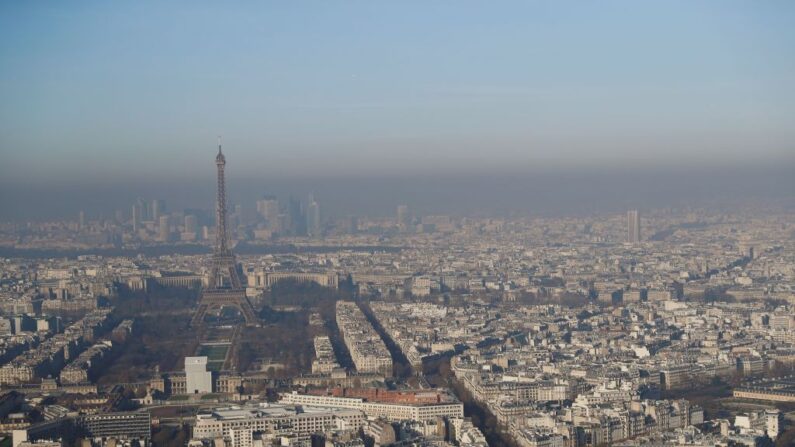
(545, 192)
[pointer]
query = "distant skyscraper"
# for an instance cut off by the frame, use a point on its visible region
(143, 210)
(297, 218)
(158, 208)
(633, 226)
(191, 223)
(163, 229)
(136, 216)
(268, 208)
(313, 217)
(235, 220)
(403, 217)
(81, 220)
(282, 224)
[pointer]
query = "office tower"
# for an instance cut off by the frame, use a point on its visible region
(235, 221)
(224, 286)
(268, 208)
(297, 219)
(403, 217)
(158, 208)
(163, 229)
(144, 210)
(238, 213)
(119, 216)
(282, 224)
(633, 226)
(190, 229)
(313, 217)
(136, 216)
(81, 220)
(191, 223)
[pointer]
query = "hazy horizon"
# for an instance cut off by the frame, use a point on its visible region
(451, 107)
(139, 91)
(540, 192)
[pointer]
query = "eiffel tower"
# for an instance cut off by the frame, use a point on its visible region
(224, 288)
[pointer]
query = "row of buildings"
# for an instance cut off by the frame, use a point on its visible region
(368, 351)
(50, 355)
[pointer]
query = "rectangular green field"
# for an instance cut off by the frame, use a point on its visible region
(216, 354)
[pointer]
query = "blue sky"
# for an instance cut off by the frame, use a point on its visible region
(98, 90)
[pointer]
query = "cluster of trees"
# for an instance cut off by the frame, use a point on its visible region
(309, 295)
(287, 336)
(170, 435)
(786, 439)
(716, 295)
(288, 341)
(130, 303)
(159, 339)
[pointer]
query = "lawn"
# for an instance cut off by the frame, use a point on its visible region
(216, 355)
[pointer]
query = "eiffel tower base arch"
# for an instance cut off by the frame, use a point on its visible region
(217, 298)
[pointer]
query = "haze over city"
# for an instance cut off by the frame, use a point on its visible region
(397, 224)
(311, 95)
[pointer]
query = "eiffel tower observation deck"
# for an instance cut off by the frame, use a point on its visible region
(224, 287)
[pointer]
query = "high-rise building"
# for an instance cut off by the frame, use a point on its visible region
(237, 216)
(136, 216)
(313, 217)
(403, 217)
(163, 229)
(191, 223)
(81, 220)
(282, 224)
(297, 218)
(190, 229)
(158, 208)
(268, 208)
(143, 210)
(633, 226)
